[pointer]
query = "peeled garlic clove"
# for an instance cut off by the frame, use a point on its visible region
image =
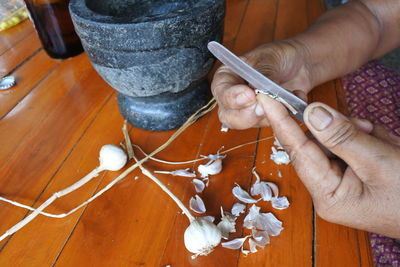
(211, 168)
(201, 237)
(112, 158)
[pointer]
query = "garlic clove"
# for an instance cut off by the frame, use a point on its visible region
(280, 203)
(112, 158)
(198, 185)
(201, 237)
(242, 195)
(197, 205)
(237, 209)
(211, 168)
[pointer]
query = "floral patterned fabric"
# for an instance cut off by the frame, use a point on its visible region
(373, 93)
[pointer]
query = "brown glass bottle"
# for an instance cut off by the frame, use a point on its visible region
(54, 26)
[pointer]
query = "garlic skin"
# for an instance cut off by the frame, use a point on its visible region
(201, 237)
(211, 168)
(280, 156)
(112, 158)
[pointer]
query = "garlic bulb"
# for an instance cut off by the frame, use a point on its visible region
(112, 158)
(201, 237)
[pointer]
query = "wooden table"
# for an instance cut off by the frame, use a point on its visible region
(55, 120)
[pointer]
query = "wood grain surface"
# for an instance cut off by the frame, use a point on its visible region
(53, 123)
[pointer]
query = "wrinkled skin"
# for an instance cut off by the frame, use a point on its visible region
(360, 186)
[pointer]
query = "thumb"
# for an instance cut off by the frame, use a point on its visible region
(337, 133)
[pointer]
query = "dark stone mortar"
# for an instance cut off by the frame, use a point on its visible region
(151, 48)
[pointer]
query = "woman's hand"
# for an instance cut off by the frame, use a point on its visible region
(362, 190)
(283, 61)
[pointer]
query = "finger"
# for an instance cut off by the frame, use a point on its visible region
(301, 94)
(230, 90)
(383, 134)
(242, 118)
(357, 148)
(318, 174)
(363, 125)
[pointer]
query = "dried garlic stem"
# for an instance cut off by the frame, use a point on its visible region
(199, 159)
(166, 161)
(129, 148)
(50, 200)
(26, 207)
(245, 144)
(166, 190)
(192, 119)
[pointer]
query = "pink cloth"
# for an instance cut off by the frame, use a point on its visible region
(373, 93)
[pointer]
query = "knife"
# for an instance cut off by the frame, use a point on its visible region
(262, 84)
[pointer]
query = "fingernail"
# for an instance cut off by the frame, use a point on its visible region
(259, 110)
(242, 99)
(320, 118)
(365, 125)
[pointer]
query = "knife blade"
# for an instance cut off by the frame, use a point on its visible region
(262, 84)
